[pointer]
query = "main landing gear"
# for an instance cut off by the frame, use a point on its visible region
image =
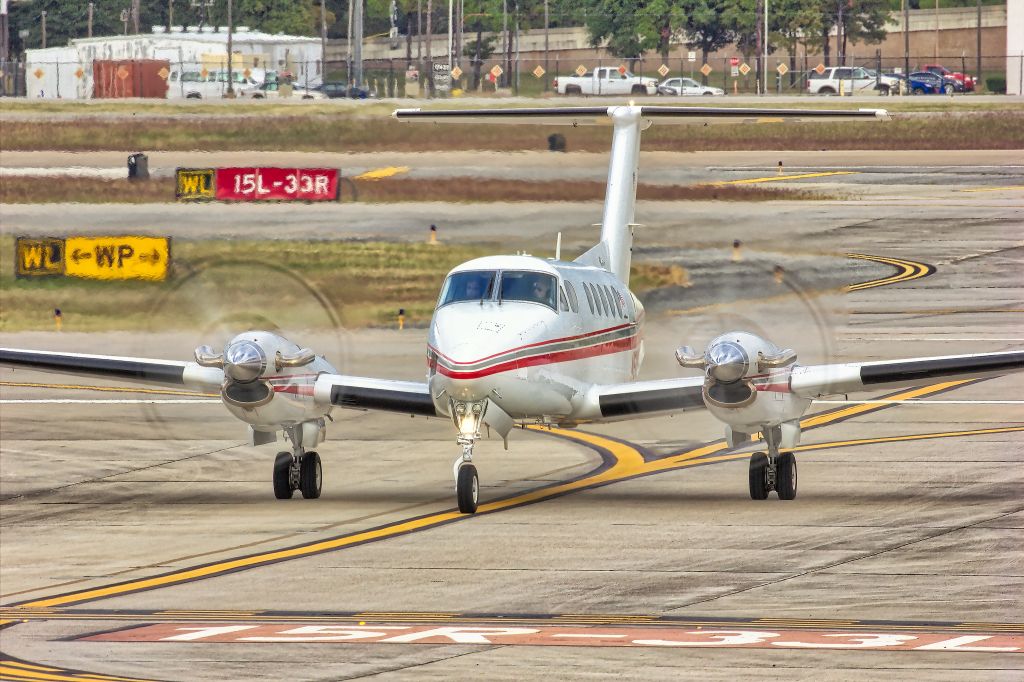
(297, 470)
(773, 470)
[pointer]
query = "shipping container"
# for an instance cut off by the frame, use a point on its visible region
(130, 78)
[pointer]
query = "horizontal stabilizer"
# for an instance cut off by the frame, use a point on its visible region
(577, 116)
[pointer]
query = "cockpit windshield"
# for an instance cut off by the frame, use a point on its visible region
(474, 285)
(536, 287)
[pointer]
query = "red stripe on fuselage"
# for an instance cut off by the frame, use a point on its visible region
(609, 348)
(531, 345)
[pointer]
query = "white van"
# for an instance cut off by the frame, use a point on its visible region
(192, 83)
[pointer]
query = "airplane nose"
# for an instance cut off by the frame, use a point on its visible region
(727, 362)
(244, 361)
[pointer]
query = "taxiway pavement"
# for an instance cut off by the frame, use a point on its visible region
(908, 512)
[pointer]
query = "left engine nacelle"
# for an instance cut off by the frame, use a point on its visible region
(746, 382)
(268, 380)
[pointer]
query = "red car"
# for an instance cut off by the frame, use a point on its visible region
(967, 81)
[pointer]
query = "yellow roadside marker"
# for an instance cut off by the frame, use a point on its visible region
(993, 189)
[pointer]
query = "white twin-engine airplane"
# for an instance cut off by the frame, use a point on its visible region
(520, 339)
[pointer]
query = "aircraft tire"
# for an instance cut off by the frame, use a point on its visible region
(467, 489)
(282, 487)
(310, 476)
(785, 476)
(759, 476)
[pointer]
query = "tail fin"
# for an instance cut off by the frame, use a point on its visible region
(614, 250)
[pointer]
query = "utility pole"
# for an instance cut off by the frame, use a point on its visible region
(977, 68)
(451, 34)
(766, 46)
(323, 42)
(5, 34)
(906, 38)
(357, 54)
(430, 51)
(759, 42)
(348, 43)
(231, 30)
(170, 16)
(135, 16)
(547, 29)
(42, 18)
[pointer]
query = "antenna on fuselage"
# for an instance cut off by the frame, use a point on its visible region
(558, 247)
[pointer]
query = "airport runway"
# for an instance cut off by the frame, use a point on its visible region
(141, 540)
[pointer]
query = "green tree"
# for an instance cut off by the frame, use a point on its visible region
(630, 27)
(704, 27)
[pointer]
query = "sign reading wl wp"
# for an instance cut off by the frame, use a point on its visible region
(126, 257)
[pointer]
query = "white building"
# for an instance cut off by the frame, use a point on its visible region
(66, 72)
(1015, 47)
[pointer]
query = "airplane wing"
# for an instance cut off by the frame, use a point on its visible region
(136, 370)
(406, 397)
(612, 402)
(363, 393)
(814, 381)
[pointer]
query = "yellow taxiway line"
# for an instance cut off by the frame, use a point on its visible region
(386, 172)
(627, 462)
(111, 389)
(778, 178)
(907, 270)
(993, 189)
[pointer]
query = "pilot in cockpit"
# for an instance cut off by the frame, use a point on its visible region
(541, 290)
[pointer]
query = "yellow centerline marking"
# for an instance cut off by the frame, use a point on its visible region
(627, 463)
(993, 189)
(777, 178)
(111, 389)
(386, 172)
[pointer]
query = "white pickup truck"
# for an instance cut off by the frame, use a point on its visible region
(606, 80)
(849, 80)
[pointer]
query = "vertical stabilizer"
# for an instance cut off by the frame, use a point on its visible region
(620, 195)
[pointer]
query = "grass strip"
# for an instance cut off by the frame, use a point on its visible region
(238, 284)
(1002, 130)
(52, 189)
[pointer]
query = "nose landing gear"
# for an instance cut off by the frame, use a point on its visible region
(773, 470)
(467, 418)
(467, 483)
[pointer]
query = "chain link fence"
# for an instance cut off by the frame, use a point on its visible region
(400, 78)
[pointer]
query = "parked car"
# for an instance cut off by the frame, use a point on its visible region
(273, 90)
(685, 87)
(967, 83)
(340, 89)
(605, 80)
(928, 83)
(851, 79)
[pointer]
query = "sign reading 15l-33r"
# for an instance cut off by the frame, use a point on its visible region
(258, 184)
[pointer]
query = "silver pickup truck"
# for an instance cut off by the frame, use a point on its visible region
(606, 80)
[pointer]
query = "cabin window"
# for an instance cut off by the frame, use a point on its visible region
(574, 303)
(590, 298)
(524, 285)
(473, 285)
(606, 305)
(562, 300)
(617, 299)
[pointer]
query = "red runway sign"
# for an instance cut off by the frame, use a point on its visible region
(548, 635)
(277, 184)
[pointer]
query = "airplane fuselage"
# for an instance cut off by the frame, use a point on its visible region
(535, 355)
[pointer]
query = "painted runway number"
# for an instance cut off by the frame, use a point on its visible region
(565, 636)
